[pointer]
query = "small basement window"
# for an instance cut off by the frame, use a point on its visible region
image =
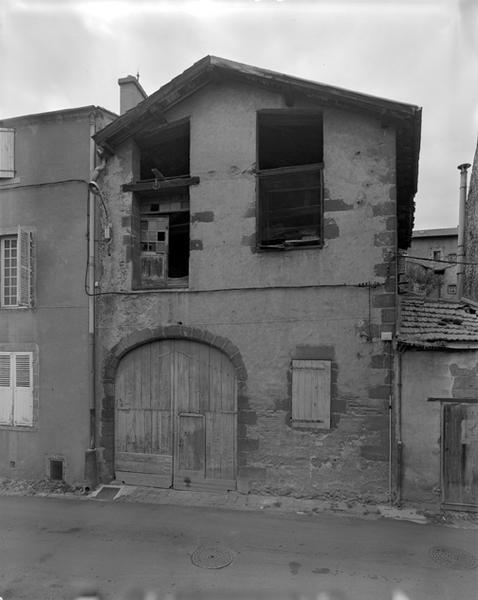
(162, 253)
(290, 161)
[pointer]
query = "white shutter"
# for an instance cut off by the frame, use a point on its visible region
(23, 389)
(311, 392)
(6, 388)
(24, 267)
(7, 152)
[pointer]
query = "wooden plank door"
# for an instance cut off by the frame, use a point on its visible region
(205, 409)
(460, 455)
(143, 418)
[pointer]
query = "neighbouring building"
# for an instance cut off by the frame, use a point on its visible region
(45, 366)
(433, 277)
(436, 408)
(437, 404)
(247, 298)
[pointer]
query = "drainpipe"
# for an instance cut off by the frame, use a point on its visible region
(90, 456)
(460, 255)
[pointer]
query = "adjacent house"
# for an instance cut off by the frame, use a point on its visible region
(46, 351)
(432, 271)
(437, 404)
(247, 291)
(436, 408)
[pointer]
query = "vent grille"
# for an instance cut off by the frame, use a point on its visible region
(56, 470)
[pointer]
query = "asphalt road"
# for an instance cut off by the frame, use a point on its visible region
(50, 547)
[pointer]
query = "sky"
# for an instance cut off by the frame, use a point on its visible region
(58, 54)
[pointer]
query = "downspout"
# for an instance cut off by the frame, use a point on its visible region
(460, 255)
(91, 458)
(399, 448)
(91, 287)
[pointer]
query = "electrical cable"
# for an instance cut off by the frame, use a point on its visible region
(436, 260)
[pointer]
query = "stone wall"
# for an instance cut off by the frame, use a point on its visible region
(276, 306)
(470, 280)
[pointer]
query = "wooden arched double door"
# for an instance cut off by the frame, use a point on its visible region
(175, 416)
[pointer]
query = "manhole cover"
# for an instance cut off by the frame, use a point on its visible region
(453, 558)
(211, 557)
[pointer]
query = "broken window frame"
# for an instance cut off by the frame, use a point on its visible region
(167, 206)
(299, 179)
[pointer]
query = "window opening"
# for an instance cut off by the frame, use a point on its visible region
(16, 270)
(290, 155)
(436, 254)
(9, 271)
(16, 388)
(164, 240)
(164, 151)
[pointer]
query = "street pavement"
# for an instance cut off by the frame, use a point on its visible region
(53, 547)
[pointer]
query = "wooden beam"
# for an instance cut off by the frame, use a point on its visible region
(150, 185)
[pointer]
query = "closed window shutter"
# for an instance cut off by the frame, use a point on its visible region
(24, 266)
(23, 389)
(311, 392)
(7, 152)
(6, 388)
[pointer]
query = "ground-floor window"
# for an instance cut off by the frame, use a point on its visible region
(16, 388)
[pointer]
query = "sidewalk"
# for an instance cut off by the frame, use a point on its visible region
(118, 492)
(236, 501)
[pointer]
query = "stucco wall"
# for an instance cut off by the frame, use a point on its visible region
(276, 306)
(49, 150)
(430, 374)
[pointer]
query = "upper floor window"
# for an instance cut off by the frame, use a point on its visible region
(162, 255)
(7, 153)
(436, 255)
(290, 161)
(16, 270)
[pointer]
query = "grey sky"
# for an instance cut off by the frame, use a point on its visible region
(64, 53)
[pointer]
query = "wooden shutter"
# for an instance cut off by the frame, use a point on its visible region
(6, 388)
(290, 206)
(7, 153)
(24, 267)
(23, 389)
(311, 392)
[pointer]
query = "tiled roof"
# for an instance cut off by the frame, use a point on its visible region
(437, 323)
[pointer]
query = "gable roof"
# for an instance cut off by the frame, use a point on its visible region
(437, 324)
(406, 118)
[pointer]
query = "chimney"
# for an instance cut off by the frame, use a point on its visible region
(460, 256)
(131, 93)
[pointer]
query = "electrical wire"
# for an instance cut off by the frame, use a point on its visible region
(369, 285)
(436, 260)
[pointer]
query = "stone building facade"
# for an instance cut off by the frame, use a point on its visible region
(247, 297)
